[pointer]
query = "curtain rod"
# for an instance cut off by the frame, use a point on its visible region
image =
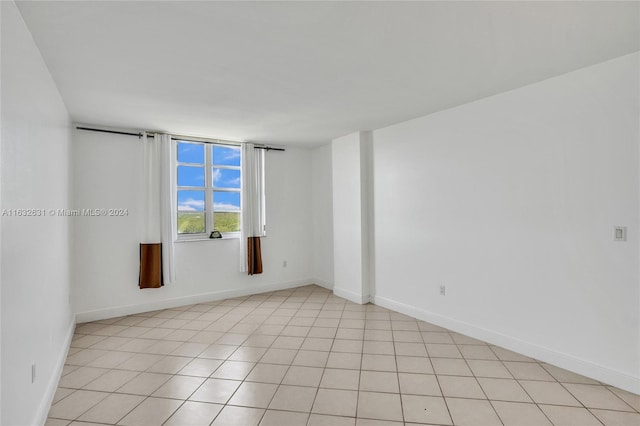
(140, 134)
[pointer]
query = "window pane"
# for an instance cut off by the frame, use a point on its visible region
(226, 201)
(226, 221)
(226, 155)
(190, 176)
(191, 216)
(226, 207)
(226, 178)
(190, 152)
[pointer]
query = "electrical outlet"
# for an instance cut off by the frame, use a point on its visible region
(284, 263)
(442, 290)
(619, 233)
(33, 373)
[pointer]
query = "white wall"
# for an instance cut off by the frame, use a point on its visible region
(510, 202)
(108, 175)
(36, 140)
(322, 206)
(1, 133)
(350, 239)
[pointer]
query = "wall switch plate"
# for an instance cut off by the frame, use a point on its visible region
(619, 233)
(442, 290)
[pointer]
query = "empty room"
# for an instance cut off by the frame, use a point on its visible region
(300, 213)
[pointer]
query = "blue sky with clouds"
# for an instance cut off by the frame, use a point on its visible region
(194, 175)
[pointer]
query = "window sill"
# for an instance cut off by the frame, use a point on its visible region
(204, 238)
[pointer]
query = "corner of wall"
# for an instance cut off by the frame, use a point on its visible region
(352, 296)
(322, 212)
(323, 283)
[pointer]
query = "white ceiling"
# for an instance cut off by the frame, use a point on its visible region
(308, 72)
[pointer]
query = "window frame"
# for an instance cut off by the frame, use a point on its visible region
(208, 189)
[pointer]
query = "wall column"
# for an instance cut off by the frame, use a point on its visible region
(352, 216)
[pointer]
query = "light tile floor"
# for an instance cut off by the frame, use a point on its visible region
(306, 357)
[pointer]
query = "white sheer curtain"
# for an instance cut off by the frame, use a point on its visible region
(151, 189)
(159, 224)
(252, 224)
(168, 205)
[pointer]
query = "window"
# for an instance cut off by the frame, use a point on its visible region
(208, 189)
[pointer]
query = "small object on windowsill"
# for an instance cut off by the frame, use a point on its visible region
(215, 234)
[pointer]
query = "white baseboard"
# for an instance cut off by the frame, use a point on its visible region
(43, 409)
(118, 311)
(577, 365)
(351, 295)
(322, 283)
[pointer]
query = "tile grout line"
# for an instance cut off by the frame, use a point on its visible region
(395, 359)
(192, 393)
(333, 341)
(270, 346)
(519, 384)
(446, 404)
(288, 368)
(478, 383)
(223, 361)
